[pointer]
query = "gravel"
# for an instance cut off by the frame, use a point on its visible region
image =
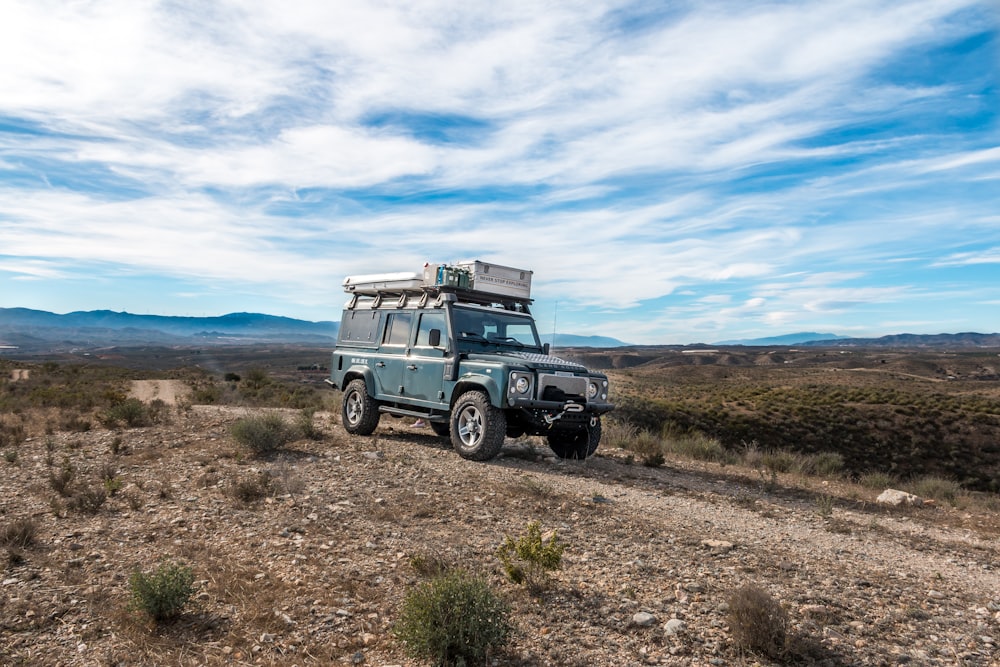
(316, 570)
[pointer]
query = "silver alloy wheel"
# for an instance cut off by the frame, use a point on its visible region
(470, 426)
(353, 408)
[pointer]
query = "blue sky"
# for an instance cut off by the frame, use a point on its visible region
(671, 172)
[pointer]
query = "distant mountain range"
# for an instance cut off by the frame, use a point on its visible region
(810, 339)
(23, 327)
(571, 340)
(787, 339)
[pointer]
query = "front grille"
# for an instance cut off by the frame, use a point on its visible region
(562, 386)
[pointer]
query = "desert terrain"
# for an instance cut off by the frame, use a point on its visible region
(314, 570)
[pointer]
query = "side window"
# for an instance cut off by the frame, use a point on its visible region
(397, 330)
(360, 326)
(431, 320)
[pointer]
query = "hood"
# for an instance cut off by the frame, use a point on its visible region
(545, 361)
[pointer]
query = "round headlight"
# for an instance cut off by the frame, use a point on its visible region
(591, 390)
(521, 385)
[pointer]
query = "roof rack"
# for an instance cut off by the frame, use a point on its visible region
(472, 282)
(436, 294)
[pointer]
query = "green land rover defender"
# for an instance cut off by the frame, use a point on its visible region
(457, 346)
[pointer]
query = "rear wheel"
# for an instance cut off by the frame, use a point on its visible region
(577, 444)
(477, 427)
(359, 411)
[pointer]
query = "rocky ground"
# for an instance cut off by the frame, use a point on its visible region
(314, 573)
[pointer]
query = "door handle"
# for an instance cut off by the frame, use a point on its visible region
(411, 367)
(380, 364)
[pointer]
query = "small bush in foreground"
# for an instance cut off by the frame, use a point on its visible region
(528, 559)
(757, 622)
(262, 434)
(162, 593)
(454, 619)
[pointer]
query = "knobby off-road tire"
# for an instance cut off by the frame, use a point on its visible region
(359, 411)
(576, 444)
(477, 427)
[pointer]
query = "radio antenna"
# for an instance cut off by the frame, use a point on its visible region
(555, 315)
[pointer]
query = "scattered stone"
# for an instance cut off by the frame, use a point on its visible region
(674, 626)
(643, 619)
(717, 547)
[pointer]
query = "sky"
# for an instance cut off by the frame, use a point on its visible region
(672, 172)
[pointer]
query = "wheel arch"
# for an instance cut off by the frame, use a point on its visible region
(482, 383)
(356, 372)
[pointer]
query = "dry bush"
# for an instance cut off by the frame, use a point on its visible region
(252, 488)
(19, 533)
(757, 622)
(648, 447)
(262, 434)
(616, 433)
(88, 500)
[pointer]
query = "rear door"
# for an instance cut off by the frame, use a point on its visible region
(392, 354)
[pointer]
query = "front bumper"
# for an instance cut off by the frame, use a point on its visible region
(571, 407)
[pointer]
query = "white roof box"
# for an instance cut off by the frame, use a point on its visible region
(383, 282)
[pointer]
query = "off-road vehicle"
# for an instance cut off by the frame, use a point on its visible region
(456, 345)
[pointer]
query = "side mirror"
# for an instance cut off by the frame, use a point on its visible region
(434, 337)
(545, 349)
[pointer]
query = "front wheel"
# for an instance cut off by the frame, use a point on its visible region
(477, 427)
(359, 411)
(578, 444)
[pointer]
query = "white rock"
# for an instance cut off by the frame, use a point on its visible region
(643, 619)
(674, 626)
(895, 497)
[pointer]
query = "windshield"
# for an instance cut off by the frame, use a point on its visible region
(493, 326)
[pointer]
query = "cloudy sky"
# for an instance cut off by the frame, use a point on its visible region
(672, 172)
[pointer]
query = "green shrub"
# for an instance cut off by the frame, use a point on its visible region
(935, 487)
(528, 559)
(757, 622)
(777, 460)
(162, 594)
(876, 480)
(700, 448)
(454, 619)
(130, 412)
(828, 464)
(262, 434)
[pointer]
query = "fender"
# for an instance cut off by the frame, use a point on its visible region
(480, 381)
(357, 371)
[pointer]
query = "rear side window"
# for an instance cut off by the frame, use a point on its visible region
(360, 327)
(397, 329)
